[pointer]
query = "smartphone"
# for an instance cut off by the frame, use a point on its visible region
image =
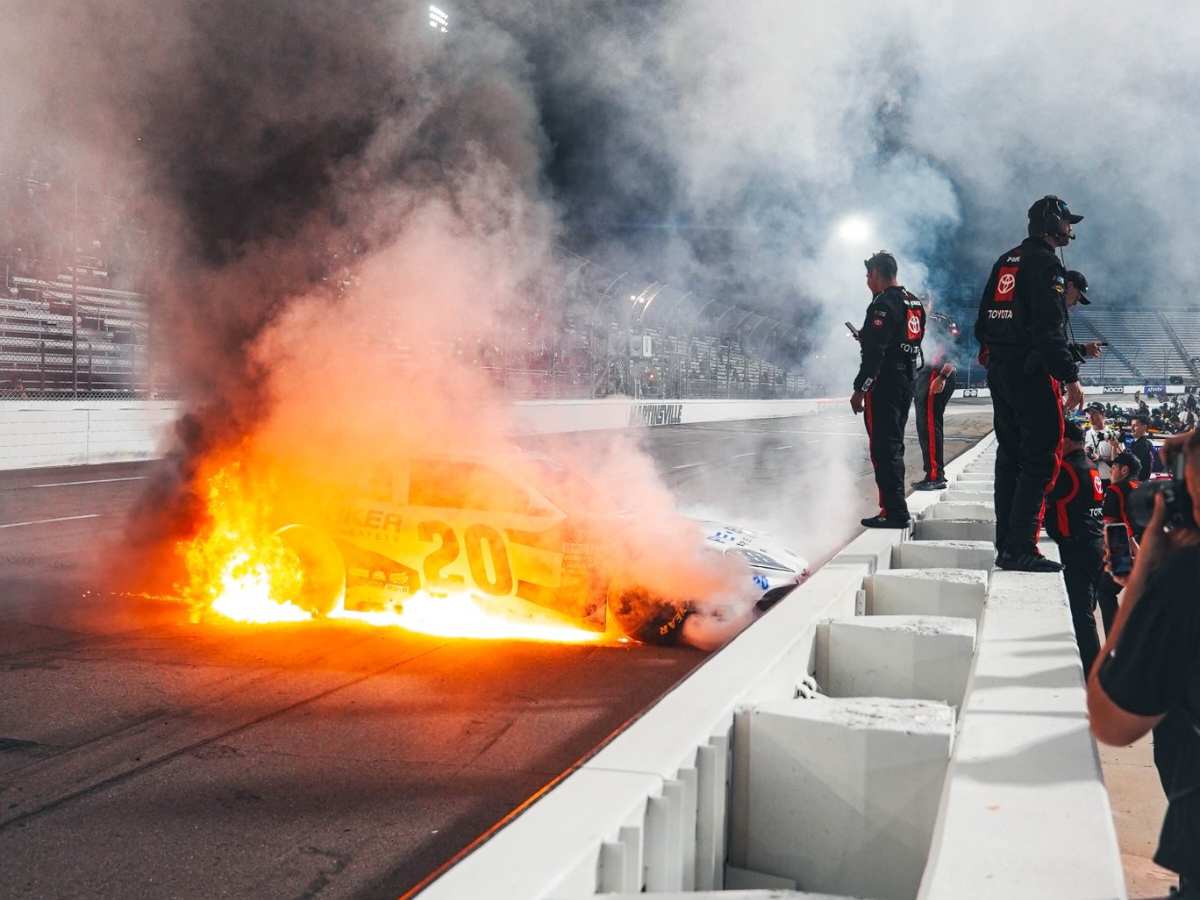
(853, 330)
(1120, 554)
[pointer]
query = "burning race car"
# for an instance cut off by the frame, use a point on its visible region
(443, 527)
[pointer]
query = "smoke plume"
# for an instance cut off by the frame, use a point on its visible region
(339, 205)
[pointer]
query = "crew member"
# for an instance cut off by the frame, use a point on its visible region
(1073, 519)
(935, 384)
(883, 389)
(1076, 294)
(1021, 330)
(1126, 470)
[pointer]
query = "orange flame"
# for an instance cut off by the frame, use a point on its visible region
(240, 568)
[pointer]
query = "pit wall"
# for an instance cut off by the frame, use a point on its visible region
(36, 433)
(909, 723)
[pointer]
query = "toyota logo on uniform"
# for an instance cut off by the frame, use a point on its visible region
(914, 326)
(1006, 284)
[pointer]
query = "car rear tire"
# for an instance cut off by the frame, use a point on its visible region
(324, 588)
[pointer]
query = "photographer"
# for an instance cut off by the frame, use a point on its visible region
(1148, 673)
(1098, 443)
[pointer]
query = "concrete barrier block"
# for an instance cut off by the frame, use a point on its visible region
(984, 511)
(872, 548)
(927, 592)
(745, 881)
(953, 530)
(823, 811)
(977, 491)
(920, 657)
(944, 555)
(975, 478)
(1025, 813)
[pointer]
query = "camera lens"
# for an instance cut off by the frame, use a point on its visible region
(1141, 503)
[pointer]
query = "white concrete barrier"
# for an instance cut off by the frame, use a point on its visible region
(748, 776)
(36, 433)
(824, 812)
(919, 657)
(68, 432)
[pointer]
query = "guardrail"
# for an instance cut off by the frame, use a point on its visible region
(864, 781)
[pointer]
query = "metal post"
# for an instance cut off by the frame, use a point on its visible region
(75, 295)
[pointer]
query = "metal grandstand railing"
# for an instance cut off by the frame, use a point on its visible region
(65, 336)
(1146, 345)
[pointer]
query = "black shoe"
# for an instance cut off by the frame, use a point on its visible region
(1026, 562)
(928, 485)
(886, 522)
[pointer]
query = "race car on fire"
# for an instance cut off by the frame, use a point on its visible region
(441, 526)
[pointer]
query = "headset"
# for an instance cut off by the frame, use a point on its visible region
(1048, 216)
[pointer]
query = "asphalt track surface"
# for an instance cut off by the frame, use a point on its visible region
(141, 755)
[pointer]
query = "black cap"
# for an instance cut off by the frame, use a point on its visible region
(1096, 407)
(1072, 432)
(1046, 208)
(1077, 278)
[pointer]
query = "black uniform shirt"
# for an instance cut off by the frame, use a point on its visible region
(1116, 505)
(1073, 507)
(891, 336)
(1023, 310)
(1155, 669)
(1144, 450)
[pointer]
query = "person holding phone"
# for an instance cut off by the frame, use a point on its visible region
(1147, 676)
(1125, 471)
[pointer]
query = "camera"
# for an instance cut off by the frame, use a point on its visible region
(1174, 491)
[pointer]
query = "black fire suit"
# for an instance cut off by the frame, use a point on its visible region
(1021, 329)
(1074, 520)
(891, 342)
(931, 409)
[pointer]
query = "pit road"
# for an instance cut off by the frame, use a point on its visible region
(142, 755)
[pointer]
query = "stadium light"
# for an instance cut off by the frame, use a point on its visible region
(438, 19)
(854, 229)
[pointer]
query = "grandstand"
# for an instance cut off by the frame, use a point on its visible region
(1158, 345)
(70, 328)
(41, 355)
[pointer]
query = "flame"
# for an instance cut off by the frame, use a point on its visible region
(466, 615)
(240, 569)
